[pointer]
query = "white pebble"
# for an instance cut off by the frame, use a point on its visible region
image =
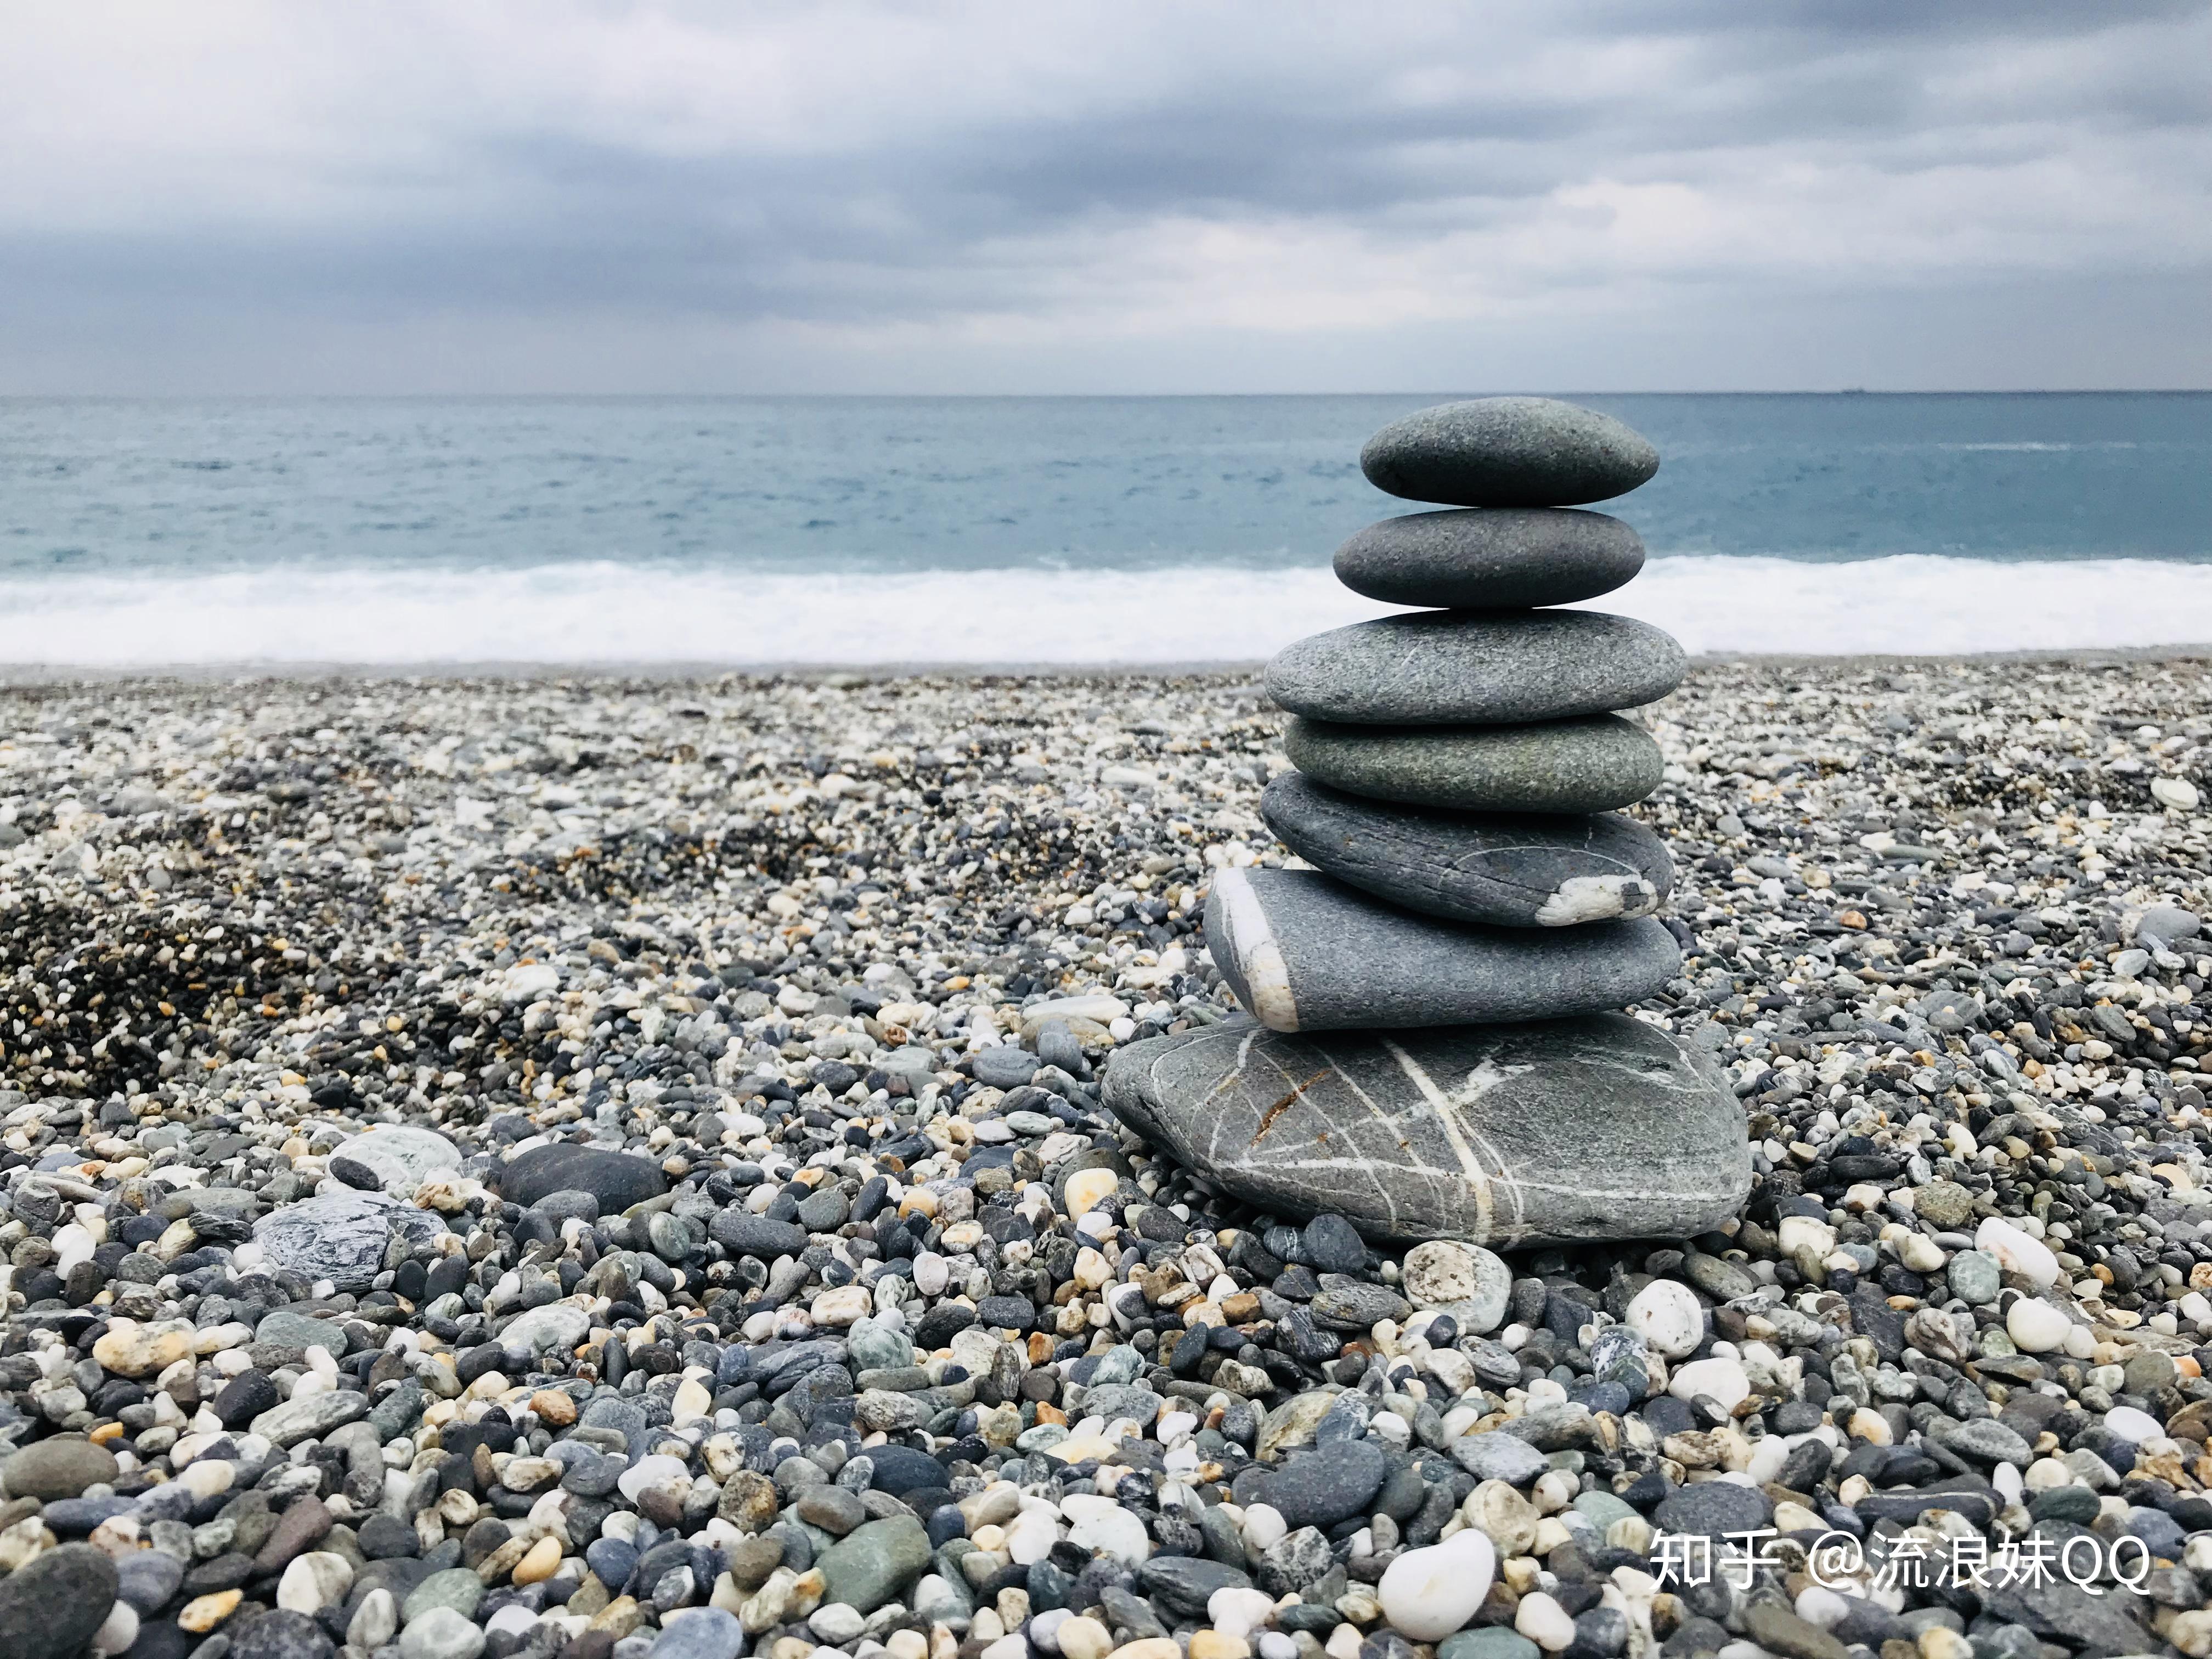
(2035, 1326)
(314, 1581)
(1544, 1622)
(1821, 1608)
(2016, 1253)
(1722, 1379)
(1264, 1525)
(515, 1619)
(1238, 1613)
(2132, 1426)
(1427, 1594)
(117, 1632)
(1667, 1316)
(1920, 1253)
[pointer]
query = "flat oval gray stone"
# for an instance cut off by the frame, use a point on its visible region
(1463, 668)
(1304, 953)
(1504, 558)
(1566, 1131)
(1589, 765)
(1508, 451)
(1503, 869)
(617, 1179)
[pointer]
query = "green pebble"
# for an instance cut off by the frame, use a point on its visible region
(1604, 1509)
(2075, 1504)
(458, 1588)
(1494, 1642)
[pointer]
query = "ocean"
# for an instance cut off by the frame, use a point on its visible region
(1068, 530)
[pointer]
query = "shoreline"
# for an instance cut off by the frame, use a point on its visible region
(704, 671)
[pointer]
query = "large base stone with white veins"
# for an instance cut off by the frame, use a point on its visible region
(1304, 953)
(1506, 870)
(1562, 1132)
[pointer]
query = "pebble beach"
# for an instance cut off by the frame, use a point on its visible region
(606, 1166)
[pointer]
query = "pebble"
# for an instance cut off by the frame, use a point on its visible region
(2035, 1326)
(1471, 1284)
(400, 1156)
(1428, 1593)
(1541, 1620)
(1493, 1643)
(1667, 1316)
(1327, 1484)
(615, 1180)
(1976, 1277)
(2017, 1253)
(1718, 1379)
(53, 1605)
(62, 1467)
(341, 1235)
(715, 1633)
(1506, 1457)
(440, 1633)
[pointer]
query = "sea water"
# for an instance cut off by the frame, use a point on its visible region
(758, 531)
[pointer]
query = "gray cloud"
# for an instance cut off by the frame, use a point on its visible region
(563, 194)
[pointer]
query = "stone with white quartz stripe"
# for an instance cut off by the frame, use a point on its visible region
(1304, 953)
(1505, 870)
(1560, 1131)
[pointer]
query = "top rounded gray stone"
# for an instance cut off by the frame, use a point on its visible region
(1508, 451)
(1457, 667)
(1501, 558)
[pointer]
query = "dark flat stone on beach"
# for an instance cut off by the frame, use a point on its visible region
(1304, 953)
(1508, 451)
(1505, 870)
(617, 1179)
(1562, 1131)
(1472, 668)
(1505, 558)
(1592, 764)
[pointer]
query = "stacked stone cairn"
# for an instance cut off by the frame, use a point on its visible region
(1429, 1051)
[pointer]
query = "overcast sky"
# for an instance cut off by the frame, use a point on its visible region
(1064, 197)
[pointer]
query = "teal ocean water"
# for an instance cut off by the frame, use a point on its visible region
(1052, 529)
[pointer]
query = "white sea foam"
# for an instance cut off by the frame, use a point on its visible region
(604, 613)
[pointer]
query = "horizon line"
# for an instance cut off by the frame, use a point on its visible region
(1073, 397)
